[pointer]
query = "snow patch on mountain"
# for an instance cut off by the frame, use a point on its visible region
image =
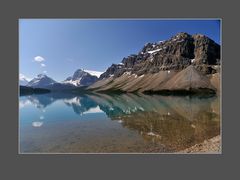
(94, 73)
(73, 82)
(192, 60)
(156, 50)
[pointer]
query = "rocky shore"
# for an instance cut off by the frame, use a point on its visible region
(212, 145)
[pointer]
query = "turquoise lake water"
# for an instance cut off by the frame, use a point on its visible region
(123, 123)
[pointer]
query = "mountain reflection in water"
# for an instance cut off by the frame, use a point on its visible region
(174, 122)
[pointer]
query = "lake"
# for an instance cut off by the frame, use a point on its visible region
(117, 123)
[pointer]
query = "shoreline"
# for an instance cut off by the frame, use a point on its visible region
(211, 146)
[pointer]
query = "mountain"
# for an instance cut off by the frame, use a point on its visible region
(41, 81)
(81, 78)
(23, 80)
(157, 63)
(185, 80)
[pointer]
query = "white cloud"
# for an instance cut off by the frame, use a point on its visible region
(22, 77)
(43, 65)
(39, 59)
(23, 103)
(37, 124)
(69, 60)
(44, 72)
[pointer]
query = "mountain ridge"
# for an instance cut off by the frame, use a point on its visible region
(41, 80)
(176, 53)
(157, 63)
(161, 66)
(78, 79)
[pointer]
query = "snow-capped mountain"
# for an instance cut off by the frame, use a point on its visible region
(94, 73)
(41, 81)
(23, 80)
(81, 78)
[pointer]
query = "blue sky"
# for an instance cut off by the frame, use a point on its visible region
(58, 47)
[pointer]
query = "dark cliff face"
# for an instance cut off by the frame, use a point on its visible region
(88, 80)
(112, 70)
(206, 50)
(177, 53)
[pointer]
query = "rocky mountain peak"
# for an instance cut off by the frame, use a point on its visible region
(79, 73)
(182, 35)
(81, 78)
(41, 80)
(112, 70)
(206, 51)
(199, 36)
(148, 47)
(176, 53)
(42, 76)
